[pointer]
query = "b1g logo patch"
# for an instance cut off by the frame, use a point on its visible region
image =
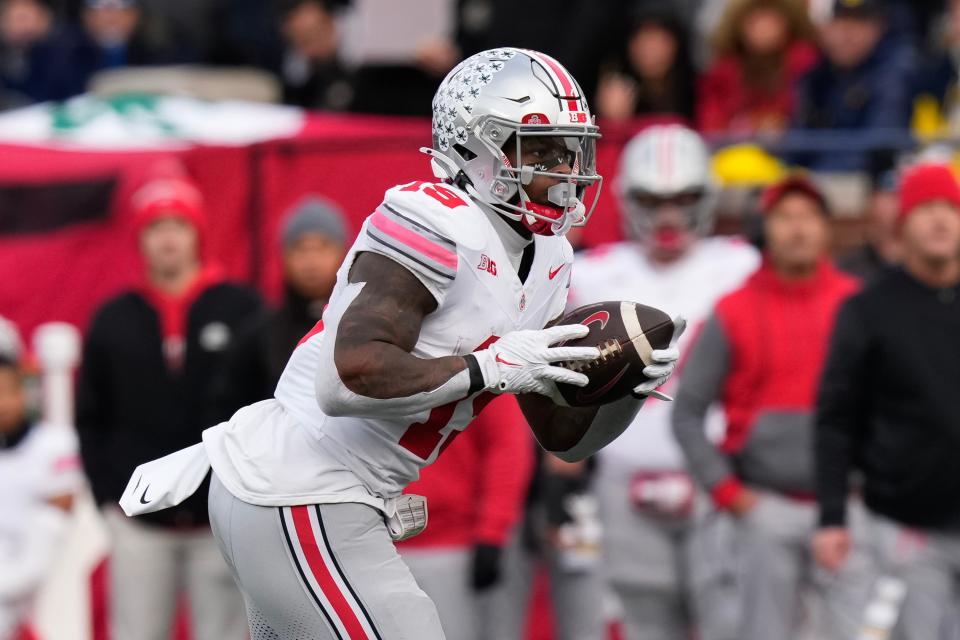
(488, 265)
(577, 117)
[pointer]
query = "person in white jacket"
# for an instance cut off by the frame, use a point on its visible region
(40, 473)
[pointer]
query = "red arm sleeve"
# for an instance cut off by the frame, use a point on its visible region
(506, 463)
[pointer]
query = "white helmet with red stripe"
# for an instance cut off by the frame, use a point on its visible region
(528, 99)
(666, 164)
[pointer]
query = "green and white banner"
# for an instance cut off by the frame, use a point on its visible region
(147, 121)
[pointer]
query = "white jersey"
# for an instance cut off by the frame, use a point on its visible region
(689, 287)
(287, 451)
(43, 465)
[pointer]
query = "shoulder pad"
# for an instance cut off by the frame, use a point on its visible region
(441, 208)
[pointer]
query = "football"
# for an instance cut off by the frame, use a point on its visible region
(625, 333)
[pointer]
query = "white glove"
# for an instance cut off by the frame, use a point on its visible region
(520, 362)
(664, 363)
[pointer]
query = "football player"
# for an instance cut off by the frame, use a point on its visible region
(653, 556)
(440, 304)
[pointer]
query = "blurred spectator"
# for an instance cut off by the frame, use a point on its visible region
(40, 61)
(33, 55)
(476, 25)
(937, 100)
(882, 249)
(475, 492)
(313, 244)
(313, 76)
(397, 70)
(654, 74)
(888, 408)
(560, 536)
(115, 35)
(762, 49)
(248, 35)
(653, 534)
(144, 391)
(40, 475)
(862, 84)
(760, 354)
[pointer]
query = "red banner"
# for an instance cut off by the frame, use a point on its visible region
(64, 265)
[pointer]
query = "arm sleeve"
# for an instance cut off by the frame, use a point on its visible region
(841, 412)
(703, 377)
(506, 451)
(93, 410)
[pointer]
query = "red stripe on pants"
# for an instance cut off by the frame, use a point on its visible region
(311, 551)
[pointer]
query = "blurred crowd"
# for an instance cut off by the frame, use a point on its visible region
(726, 67)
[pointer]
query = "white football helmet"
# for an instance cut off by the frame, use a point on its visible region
(528, 99)
(666, 164)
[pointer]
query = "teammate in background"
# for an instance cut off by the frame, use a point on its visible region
(39, 475)
(440, 304)
(144, 387)
(655, 526)
(313, 242)
(476, 493)
(760, 353)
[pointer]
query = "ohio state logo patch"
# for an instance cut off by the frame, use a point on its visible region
(535, 118)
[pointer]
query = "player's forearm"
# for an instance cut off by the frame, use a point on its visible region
(381, 370)
(379, 380)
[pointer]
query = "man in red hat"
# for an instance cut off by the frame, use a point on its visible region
(144, 386)
(759, 355)
(889, 407)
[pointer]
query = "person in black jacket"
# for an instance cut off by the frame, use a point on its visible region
(313, 243)
(143, 392)
(889, 406)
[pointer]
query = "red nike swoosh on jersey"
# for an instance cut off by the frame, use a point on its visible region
(553, 272)
(502, 361)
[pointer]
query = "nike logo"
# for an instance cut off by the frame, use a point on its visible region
(517, 100)
(143, 498)
(502, 361)
(600, 316)
(553, 272)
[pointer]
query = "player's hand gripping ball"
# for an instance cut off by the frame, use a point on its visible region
(626, 333)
